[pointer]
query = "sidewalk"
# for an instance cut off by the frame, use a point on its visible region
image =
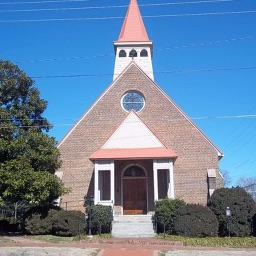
(127, 252)
(17, 246)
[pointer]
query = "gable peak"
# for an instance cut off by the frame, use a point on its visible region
(133, 133)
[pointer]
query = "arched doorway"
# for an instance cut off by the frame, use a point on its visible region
(134, 191)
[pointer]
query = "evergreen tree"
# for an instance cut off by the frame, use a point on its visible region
(28, 155)
(242, 209)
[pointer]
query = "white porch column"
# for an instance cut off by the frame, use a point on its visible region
(96, 182)
(155, 180)
(112, 182)
(104, 166)
(163, 164)
(171, 182)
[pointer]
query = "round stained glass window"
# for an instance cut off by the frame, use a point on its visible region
(133, 100)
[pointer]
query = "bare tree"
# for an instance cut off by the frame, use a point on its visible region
(227, 180)
(249, 184)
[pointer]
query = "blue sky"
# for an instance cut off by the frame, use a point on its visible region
(205, 62)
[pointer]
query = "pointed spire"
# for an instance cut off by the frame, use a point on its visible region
(133, 29)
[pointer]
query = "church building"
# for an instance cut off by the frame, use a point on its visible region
(134, 145)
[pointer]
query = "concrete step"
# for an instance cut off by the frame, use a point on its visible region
(133, 226)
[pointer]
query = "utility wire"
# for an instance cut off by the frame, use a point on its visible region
(237, 126)
(109, 6)
(63, 59)
(243, 145)
(234, 143)
(45, 2)
(70, 1)
(120, 17)
(156, 72)
(158, 49)
(70, 124)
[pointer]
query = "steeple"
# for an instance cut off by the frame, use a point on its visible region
(133, 43)
(133, 29)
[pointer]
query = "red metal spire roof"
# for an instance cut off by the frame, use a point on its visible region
(133, 29)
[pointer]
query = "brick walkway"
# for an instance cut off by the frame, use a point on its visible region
(127, 252)
(126, 247)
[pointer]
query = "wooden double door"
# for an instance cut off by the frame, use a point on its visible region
(134, 196)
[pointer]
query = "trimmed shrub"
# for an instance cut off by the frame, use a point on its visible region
(242, 209)
(102, 217)
(165, 212)
(195, 221)
(3, 225)
(254, 225)
(69, 223)
(40, 223)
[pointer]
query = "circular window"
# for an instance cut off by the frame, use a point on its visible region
(133, 100)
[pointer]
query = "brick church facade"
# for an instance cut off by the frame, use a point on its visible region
(134, 145)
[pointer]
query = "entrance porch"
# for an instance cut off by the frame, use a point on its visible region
(131, 186)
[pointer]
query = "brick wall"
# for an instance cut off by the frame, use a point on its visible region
(195, 153)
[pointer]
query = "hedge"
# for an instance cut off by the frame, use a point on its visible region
(195, 221)
(69, 223)
(242, 208)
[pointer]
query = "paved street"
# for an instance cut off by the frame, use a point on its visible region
(47, 251)
(210, 253)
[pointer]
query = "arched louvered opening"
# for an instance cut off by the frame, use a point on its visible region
(133, 53)
(144, 53)
(122, 53)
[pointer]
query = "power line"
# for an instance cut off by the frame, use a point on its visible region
(45, 2)
(70, 1)
(119, 17)
(70, 124)
(110, 6)
(223, 117)
(243, 145)
(157, 49)
(233, 143)
(63, 59)
(158, 72)
(237, 126)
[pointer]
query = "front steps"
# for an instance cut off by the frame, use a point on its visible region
(132, 226)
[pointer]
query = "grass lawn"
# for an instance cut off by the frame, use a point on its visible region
(52, 239)
(4, 239)
(59, 239)
(234, 242)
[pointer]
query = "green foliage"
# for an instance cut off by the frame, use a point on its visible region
(69, 223)
(235, 242)
(28, 155)
(39, 220)
(165, 212)
(254, 224)
(195, 221)
(242, 210)
(101, 215)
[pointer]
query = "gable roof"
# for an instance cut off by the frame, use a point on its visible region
(130, 66)
(133, 29)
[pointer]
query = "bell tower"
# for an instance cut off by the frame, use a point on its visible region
(133, 43)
